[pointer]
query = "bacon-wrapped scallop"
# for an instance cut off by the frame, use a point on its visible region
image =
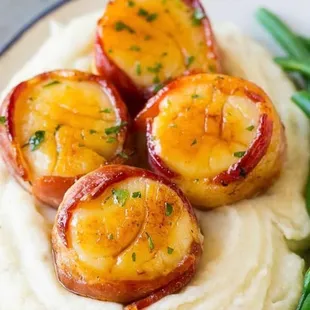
(218, 137)
(59, 126)
(126, 235)
(142, 44)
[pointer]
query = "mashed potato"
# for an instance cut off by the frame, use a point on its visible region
(248, 262)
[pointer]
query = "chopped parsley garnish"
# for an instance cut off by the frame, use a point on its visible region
(170, 250)
(152, 17)
(115, 129)
(189, 61)
(136, 195)
(195, 96)
(51, 84)
(158, 87)
(138, 69)
(164, 54)
(143, 12)
(239, 154)
(110, 51)
(110, 236)
(120, 196)
(2, 120)
(194, 142)
(133, 256)
(156, 68)
(169, 208)
(150, 242)
(148, 16)
(36, 140)
(250, 128)
(131, 3)
(147, 37)
(106, 110)
(120, 26)
(92, 131)
(135, 48)
(111, 140)
(197, 16)
(123, 155)
(156, 79)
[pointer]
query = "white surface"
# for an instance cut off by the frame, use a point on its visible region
(241, 12)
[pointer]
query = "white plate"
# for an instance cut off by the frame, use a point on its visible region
(241, 12)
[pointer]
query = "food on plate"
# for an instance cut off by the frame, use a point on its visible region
(124, 234)
(59, 126)
(142, 44)
(218, 137)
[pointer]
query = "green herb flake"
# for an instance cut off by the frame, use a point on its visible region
(169, 102)
(138, 69)
(156, 79)
(51, 84)
(106, 110)
(239, 154)
(133, 256)
(135, 48)
(250, 128)
(120, 196)
(81, 145)
(189, 61)
(120, 26)
(110, 51)
(2, 120)
(169, 208)
(110, 236)
(152, 17)
(148, 16)
(164, 54)
(170, 250)
(123, 155)
(131, 3)
(147, 37)
(150, 242)
(143, 12)
(158, 87)
(195, 96)
(136, 195)
(156, 68)
(92, 131)
(111, 140)
(36, 140)
(197, 16)
(194, 142)
(115, 129)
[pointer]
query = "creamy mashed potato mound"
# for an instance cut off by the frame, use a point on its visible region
(248, 263)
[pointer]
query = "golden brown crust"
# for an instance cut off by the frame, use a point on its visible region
(258, 166)
(50, 188)
(134, 94)
(79, 279)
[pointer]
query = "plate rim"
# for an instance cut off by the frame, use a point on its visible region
(29, 24)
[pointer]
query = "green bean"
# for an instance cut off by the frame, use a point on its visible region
(292, 64)
(304, 301)
(282, 34)
(306, 41)
(302, 100)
